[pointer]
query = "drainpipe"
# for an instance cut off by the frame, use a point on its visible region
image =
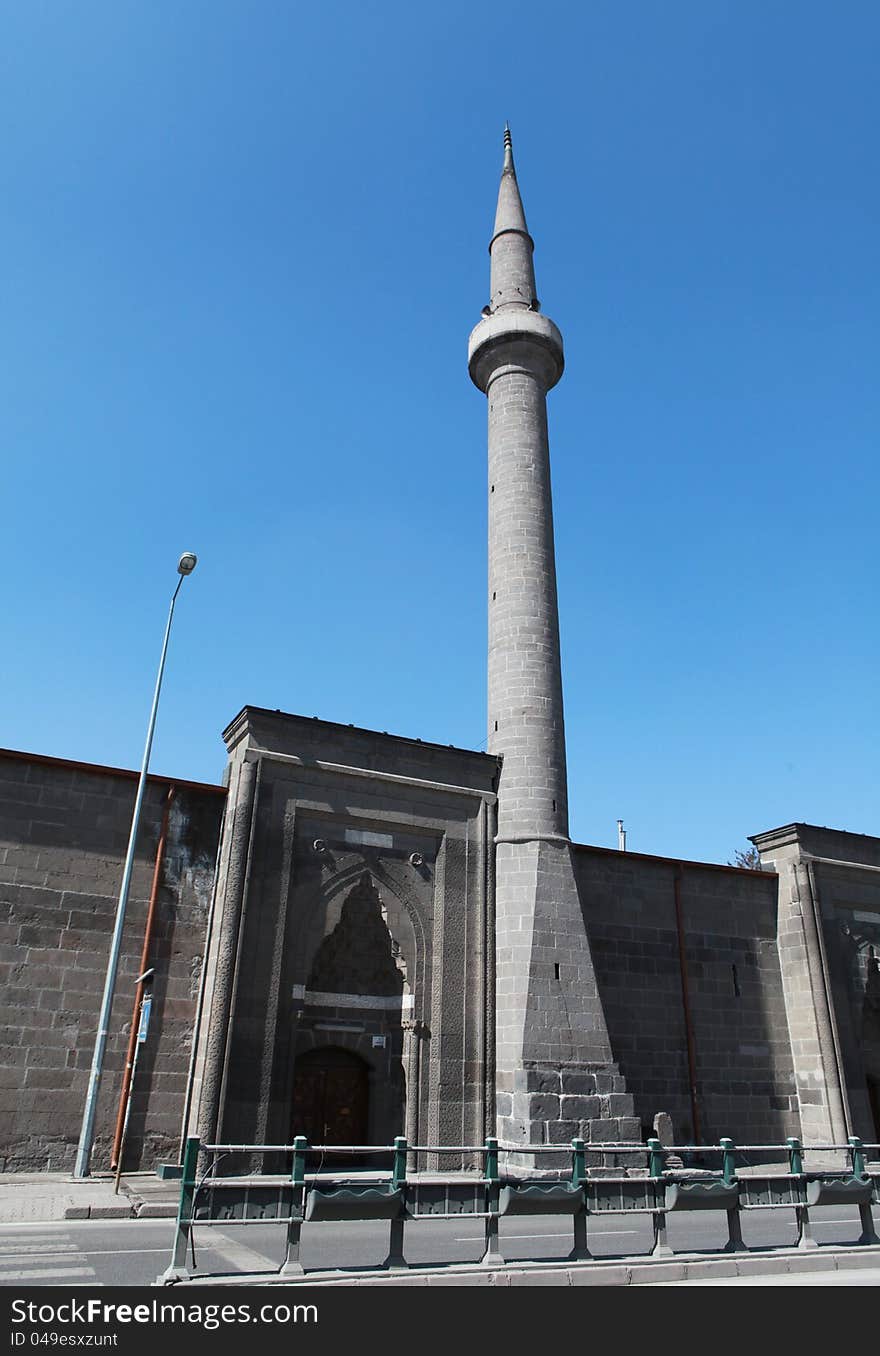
(480, 965)
(139, 991)
(490, 963)
(686, 1006)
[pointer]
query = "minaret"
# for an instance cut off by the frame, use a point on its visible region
(555, 1077)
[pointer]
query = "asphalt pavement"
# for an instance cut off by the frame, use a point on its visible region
(56, 1231)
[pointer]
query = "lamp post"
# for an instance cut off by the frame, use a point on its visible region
(185, 566)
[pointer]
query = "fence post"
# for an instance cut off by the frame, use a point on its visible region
(398, 1170)
(656, 1159)
(805, 1237)
(177, 1269)
(292, 1266)
(859, 1169)
(492, 1256)
(728, 1175)
(580, 1252)
(858, 1156)
(395, 1258)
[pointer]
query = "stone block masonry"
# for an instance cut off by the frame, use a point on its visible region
(739, 1078)
(63, 834)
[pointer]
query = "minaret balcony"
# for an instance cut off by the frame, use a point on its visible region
(517, 339)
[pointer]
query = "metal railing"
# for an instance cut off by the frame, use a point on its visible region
(653, 1188)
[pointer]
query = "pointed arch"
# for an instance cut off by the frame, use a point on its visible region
(360, 955)
(403, 921)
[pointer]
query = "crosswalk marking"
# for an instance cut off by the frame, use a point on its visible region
(48, 1257)
(26, 1249)
(237, 1254)
(44, 1274)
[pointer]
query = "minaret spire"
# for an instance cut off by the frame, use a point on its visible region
(552, 1048)
(510, 249)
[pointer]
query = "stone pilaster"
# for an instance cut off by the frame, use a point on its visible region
(220, 970)
(805, 986)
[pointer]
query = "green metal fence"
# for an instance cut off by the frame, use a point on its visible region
(649, 1187)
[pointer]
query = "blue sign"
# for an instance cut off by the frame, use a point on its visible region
(145, 1019)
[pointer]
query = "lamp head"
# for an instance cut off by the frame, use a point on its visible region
(187, 563)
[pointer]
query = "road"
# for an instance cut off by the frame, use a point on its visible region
(135, 1252)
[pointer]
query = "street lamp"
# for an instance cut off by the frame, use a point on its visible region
(185, 566)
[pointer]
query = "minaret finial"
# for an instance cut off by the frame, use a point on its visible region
(508, 148)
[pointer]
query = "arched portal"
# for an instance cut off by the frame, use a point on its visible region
(331, 1097)
(356, 1002)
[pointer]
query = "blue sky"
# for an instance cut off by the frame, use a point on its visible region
(243, 246)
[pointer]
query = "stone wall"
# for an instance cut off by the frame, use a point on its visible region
(410, 824)
(63, 835)
(743, 1076)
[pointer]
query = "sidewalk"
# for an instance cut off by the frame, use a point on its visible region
(50, 1197)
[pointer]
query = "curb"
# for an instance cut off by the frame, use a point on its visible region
(99, 1212)
(641, 1271)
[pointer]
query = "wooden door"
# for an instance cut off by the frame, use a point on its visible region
(330, 1097)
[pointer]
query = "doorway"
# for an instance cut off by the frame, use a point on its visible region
(331, 1097)
(874, 1100)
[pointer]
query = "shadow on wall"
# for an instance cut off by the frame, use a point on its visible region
(723, 985)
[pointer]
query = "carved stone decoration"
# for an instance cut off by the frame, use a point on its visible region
(359, 955)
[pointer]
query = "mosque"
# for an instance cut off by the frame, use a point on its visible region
(360, 935)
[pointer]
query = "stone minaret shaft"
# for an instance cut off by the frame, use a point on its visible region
(518, 360)
(555, 1076)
